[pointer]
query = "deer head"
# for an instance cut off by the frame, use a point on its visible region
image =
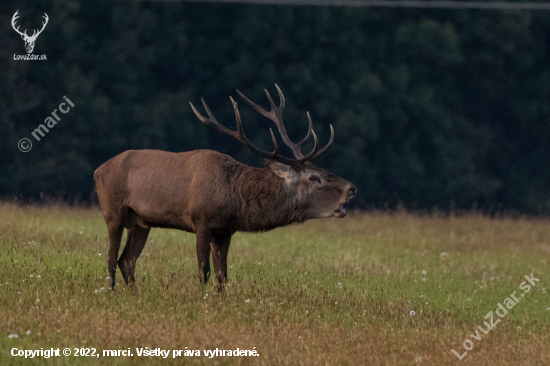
(317, 192)
(29, 40)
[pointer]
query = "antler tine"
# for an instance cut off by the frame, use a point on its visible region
(330, 141)
(211, 121)
(258, 109)
(311, 155)
(309, 130)
(282, 102)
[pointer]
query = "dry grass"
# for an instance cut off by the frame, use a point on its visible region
(329, 292)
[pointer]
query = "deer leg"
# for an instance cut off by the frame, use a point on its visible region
(203, 255)
(115, 234)
(137, 237)
(219, 249)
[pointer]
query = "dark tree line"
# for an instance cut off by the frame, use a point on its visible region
(431, 108)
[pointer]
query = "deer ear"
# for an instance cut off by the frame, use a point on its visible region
(281, 170)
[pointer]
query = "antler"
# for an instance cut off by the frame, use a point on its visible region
(275, 116)
(15, 16)
(46, 18)
(35, 33)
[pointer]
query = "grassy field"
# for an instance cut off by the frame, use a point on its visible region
(370, 289)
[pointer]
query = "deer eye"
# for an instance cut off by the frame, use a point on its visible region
(314, 178)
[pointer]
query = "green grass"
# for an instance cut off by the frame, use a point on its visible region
(325, 292)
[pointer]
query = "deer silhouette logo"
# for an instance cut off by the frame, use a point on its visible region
(29, 40)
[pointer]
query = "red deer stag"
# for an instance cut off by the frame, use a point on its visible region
(213, 195)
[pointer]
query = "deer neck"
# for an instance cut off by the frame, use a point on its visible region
(265, 201)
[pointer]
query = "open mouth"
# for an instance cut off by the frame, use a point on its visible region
(340, 211)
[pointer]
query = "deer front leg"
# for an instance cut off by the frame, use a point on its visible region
(203, 255)
(115, 235)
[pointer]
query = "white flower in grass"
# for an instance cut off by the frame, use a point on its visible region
(13, 336)
(424, 272)
(519, 328)
(412, 313)
(247, 300)
(28, 332)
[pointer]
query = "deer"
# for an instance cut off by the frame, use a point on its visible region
(29, 40)
(212, 195)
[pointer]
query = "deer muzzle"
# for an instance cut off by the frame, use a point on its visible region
(340, 211)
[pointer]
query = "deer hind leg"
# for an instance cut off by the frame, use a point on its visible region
(135, 242)
(219, 250)
(203, 255)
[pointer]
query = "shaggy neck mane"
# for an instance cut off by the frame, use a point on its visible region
(264, 200)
